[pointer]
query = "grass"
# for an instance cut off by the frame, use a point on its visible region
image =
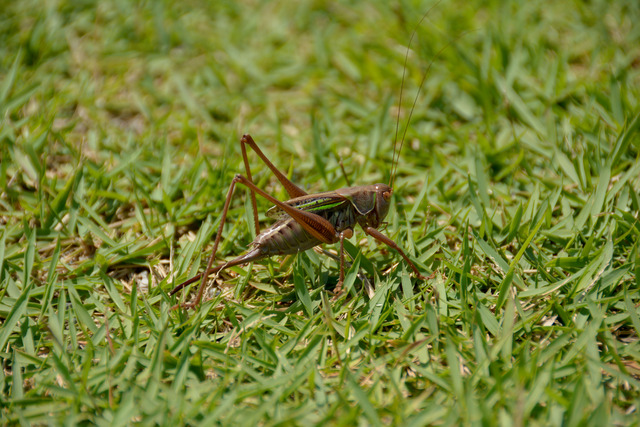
(518, 185)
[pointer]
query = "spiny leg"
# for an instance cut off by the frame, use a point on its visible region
(216, 242)
(254, 204)
(387, 241)
(292, 189)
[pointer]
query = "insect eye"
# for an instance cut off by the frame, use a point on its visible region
(386, 195)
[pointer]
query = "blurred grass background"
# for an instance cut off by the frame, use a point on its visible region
(518, 185)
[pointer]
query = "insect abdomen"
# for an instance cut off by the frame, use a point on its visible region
(287, 237)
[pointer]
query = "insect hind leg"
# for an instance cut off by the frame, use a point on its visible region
(216, 242)
(292, 189)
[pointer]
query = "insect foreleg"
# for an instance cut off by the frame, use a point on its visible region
(387, 241)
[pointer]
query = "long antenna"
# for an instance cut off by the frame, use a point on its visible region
(396, 158)
(394, 165)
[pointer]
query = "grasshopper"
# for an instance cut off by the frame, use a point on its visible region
(308, 220)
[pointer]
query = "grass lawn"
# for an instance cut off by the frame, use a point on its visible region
(518, 185)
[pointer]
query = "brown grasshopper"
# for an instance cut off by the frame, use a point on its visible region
(309, 220)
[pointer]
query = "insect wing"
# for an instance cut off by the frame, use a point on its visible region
(312, 203)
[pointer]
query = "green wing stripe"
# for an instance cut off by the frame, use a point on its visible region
(320, 206)
(312, 205)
